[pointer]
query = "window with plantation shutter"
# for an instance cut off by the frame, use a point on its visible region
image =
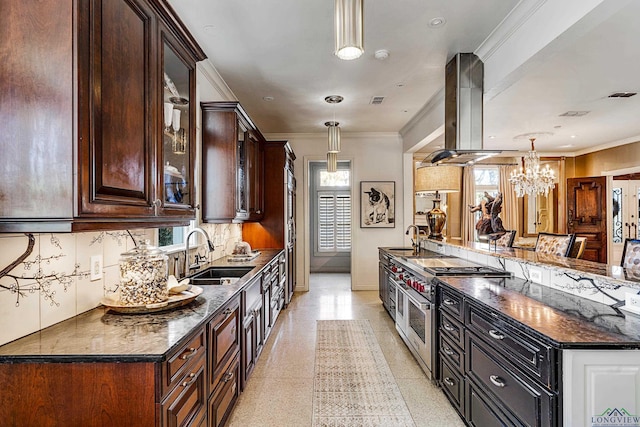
(334, 221)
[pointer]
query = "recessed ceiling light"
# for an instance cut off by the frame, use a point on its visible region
(399, 84)
(573, 136)
(566, 146)
(492, 137)
(381, 54)
(557, 127)
(437, 22)
(268, 98)
(405, 111)
(209, 29)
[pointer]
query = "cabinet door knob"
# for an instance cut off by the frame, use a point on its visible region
(497, 381)
(496, 335)
(189, 353)
(449, 302)
(192, 378)
(448, 381)
(448, 351)
(228, 377)
(448, 327)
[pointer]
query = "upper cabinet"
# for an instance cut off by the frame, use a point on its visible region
(84, 108)
(232, 164)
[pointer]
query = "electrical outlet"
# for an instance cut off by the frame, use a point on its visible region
(535, 275)
(632, 300)
(96, 267)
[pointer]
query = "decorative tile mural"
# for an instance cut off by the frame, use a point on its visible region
(44, 278)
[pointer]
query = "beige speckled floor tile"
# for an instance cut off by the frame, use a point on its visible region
(280, 390)
(427, 404)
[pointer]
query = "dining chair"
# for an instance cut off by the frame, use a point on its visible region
(506, 240)
(631, 254)
(554, 244)
(577, 249)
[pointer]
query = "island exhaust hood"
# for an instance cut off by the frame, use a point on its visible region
(464, 81)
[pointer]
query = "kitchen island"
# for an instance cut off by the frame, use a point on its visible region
(512, 351)
(175, 367)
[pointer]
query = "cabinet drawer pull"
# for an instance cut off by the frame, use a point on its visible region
(448, 381)
(189, 353)
(447, 301)
(227, 377)
(448, 351)
(192, 377)
(448, 327)
(227, 312)
(497, 381)
(496, 334)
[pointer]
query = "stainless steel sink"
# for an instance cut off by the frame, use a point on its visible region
(219, 275)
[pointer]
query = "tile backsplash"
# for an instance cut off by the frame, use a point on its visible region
(53, 283)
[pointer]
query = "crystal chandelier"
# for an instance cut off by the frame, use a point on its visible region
(532, 179)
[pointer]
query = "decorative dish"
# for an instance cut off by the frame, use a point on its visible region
(174, 301)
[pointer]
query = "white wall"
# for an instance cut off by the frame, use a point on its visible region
(374, 157)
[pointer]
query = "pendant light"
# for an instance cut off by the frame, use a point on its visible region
(332, 162)
(349, 29)
(333, 135)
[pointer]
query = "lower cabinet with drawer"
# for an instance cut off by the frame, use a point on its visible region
(493, 371)
(224, 362)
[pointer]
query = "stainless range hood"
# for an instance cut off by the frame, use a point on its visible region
(464, 87)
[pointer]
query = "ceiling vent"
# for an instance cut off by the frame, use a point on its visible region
(377, 100)
(622, 94)
(575, 113)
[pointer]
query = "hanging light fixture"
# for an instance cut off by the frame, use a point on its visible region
(332, 162)
(334, 137)
(532, 179)
(349, 29)
(333, 126)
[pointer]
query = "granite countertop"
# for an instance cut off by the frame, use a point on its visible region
(567, 320)
(99, 335)
(612, 273)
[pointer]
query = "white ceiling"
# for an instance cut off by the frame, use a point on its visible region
(284, 49)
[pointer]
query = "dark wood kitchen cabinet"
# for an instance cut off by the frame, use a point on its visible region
(224, 356)
(232, 164)
(82, 105)
(277, 228)
(494, 372)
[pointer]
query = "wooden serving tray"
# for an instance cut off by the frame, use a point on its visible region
(174, 301)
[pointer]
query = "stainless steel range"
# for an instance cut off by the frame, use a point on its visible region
(415, 299)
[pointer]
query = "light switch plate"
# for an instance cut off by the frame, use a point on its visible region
(535, 275)
(96, 268)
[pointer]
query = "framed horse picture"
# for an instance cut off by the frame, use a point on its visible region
(377, 204)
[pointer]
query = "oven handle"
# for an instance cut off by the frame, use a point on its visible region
(424, 306)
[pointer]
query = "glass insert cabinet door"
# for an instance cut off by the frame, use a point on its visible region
(176, 129)
(625, 215)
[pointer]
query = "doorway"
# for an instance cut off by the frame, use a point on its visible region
(330, 213)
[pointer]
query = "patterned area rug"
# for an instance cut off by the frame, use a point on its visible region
(353, 385)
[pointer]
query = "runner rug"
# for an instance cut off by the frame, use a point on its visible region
(353, 385)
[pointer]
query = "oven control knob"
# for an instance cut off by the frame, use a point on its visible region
(394, 269)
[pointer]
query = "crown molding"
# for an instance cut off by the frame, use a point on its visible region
(518, 16)
(323, 135)
(211, 74)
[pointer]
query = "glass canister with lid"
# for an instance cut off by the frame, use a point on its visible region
(143, 275)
